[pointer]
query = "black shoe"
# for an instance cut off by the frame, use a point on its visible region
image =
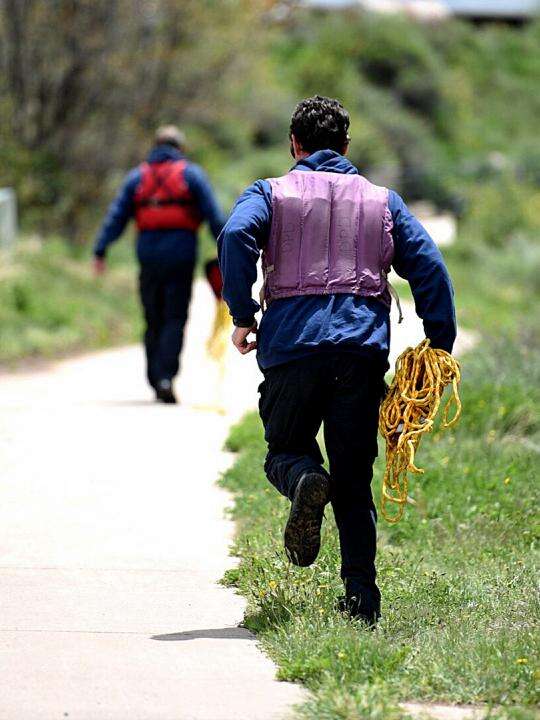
(303, 530)
(164, 392)
(359, 605)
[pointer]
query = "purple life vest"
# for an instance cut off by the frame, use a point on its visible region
(330, 234)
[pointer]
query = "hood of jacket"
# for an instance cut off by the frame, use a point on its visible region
(162, 153)
(327, 161)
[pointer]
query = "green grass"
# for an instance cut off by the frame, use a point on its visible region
(457, 574)
(496, 290)
(50, 303)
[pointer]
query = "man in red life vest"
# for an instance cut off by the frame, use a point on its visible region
(169, 197)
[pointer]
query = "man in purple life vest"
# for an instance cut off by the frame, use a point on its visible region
(328, 238)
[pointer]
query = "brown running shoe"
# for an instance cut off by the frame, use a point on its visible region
(303, 530)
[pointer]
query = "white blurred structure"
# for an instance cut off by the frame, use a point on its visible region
(418, 9)
(442, 226)
(8, 217)
(510, 11)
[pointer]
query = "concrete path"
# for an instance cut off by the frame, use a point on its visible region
(112, 539)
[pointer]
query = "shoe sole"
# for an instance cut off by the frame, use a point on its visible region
(302, 534)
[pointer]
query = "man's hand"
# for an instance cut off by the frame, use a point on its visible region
(240, 341)
(99, 266)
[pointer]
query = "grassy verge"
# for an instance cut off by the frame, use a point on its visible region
(497, 291)
(457, 574)
(50, 303)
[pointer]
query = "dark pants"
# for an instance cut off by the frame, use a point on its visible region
(165, 296)
(343, 392)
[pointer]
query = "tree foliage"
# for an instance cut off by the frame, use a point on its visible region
(86, 81)
(445, 112)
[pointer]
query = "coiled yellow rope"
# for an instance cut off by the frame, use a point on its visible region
(408, 411)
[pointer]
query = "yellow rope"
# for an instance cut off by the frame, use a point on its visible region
(218, 342)
(408, 411)
(217, 346)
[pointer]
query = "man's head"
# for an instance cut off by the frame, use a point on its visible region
(170, 135)
(319, 123)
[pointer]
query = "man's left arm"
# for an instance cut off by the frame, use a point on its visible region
(207, 203)
(419, 261)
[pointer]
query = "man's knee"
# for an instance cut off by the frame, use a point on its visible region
(355, 469)
(284, 470)
(176, 315)
(352, 488)
(278, 466)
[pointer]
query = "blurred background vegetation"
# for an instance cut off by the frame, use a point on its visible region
(445, 112)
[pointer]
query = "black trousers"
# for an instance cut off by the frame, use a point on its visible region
(343, 392)
(165, 296)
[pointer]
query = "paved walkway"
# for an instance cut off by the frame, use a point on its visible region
(113, 537)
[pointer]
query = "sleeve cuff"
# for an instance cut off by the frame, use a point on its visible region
(244, 322)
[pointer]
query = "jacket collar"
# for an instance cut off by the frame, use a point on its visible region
(162, 153)
(327, 161)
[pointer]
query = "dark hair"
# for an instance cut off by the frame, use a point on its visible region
(320, 123)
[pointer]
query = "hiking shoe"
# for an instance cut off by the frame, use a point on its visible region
(164, 392)
(303, 530)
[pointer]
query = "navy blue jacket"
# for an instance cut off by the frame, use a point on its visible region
(161, 247)
(294, 327)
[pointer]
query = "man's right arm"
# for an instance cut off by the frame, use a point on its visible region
(120, 212)
(239, 245)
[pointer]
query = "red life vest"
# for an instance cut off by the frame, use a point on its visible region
(163, 200)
